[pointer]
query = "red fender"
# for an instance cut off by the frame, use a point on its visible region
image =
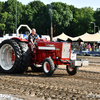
(20, 39)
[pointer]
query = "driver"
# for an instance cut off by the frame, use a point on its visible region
(32, 38)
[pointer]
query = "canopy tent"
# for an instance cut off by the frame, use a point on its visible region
(92, 37)
(85, 37)
(81, 37)
(63, 37)
(88, 37)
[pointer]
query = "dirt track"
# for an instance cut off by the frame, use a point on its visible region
(85, 85)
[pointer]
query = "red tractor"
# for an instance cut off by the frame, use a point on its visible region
(16, 56)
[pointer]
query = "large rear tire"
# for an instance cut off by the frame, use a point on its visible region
(48, 66)
(26, 57)
(71, 71)
(10, 57)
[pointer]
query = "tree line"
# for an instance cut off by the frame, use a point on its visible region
(64, 18)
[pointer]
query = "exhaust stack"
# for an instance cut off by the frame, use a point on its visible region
(51, 38)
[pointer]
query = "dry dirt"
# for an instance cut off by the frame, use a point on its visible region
(85, 85)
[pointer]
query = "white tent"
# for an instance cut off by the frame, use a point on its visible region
(63, 37)
(85, 37)
(93, 37)
(81, 37)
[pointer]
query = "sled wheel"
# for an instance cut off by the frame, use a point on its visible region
(71, 71)
(48, 66)
(10, 57)
(36, 68)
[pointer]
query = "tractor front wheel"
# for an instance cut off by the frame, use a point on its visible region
(48, 66)
(71, 71)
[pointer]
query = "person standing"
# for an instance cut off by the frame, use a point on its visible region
(93, 47)
(81, 47)
(89, 47)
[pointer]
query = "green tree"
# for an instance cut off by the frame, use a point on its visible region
(10, 8)
(81, 21)
(2, 25)
(37, 16)
(67, 19)
(97, 17)
(61, 16)
(88, 17)
(3, 20)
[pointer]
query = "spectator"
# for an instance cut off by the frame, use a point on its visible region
(89, 47)
(81, 47)
(86, 46)
(95, 48)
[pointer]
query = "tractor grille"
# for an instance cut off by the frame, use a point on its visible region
(66, 50)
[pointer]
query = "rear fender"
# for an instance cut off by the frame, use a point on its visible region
(19, 39)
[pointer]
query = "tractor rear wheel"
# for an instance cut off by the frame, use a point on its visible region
(10, 57)
(71, 71)
(48, 66)
(26, 57)
(36, 68)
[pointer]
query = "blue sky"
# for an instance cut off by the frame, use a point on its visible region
(77, 3)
